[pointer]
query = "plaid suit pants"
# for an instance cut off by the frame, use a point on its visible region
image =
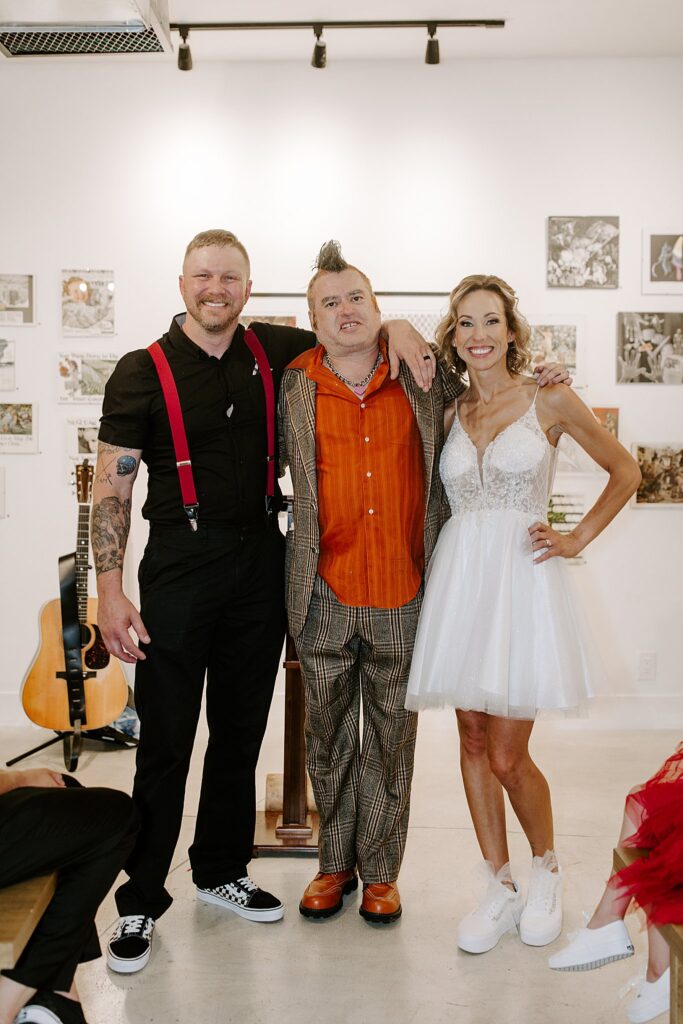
(362, 789)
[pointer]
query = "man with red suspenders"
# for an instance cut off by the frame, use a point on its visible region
(198, 408)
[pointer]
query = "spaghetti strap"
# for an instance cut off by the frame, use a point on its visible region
(533, 404)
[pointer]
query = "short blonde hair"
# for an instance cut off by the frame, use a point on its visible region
(221, 238)
(519, 352)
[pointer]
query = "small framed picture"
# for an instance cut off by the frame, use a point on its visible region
(17, 300)
(83, 375)
(662, 469)
(607, 418)
(583, 252)
(663, 260)
(87, 303)
(650, 348)
(18, 428)
(557, 339)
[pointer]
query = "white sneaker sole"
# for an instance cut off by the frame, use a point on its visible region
(529, 939)
(592, 964)
(36, 1015)
(274, 914)
(120, 966)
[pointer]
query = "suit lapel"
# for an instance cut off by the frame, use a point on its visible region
(422, 405)
(301, 409)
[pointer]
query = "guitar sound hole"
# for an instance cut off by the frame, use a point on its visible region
(97, 656)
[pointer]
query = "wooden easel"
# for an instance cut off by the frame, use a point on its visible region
(295, 830)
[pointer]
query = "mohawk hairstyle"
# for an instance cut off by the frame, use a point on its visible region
(330, 258)
(331, 261)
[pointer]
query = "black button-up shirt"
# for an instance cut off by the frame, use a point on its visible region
(224, 412)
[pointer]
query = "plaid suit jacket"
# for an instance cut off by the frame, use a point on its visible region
(296, 418)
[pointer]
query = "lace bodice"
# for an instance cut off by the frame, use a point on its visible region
(515, 471)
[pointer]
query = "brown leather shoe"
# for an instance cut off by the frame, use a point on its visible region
(381, 902)
(324, 896)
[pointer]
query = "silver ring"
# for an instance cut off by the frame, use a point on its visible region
(547, 543)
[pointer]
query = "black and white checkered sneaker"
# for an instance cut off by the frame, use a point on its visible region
(244, 898)
(130, 946)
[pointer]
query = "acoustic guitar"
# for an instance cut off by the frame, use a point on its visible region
(73, 683)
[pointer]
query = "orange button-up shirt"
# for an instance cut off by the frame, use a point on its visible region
(370, 472)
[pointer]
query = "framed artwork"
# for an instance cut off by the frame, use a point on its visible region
(608, 418)
(87, 303)
(557, 339)
(18, 428)
(583, 252)
(269, 318)
(663, 260)
(83, 375)
(17, 300)
(8, 377)
(662, 469)
(650, 348)
(82, 434)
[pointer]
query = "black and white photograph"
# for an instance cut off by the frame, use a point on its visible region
(555, 339)
(661, 466)
(8, 377)
(583, 252)
(18, 428)
(17, 305)
(663, 261)
(82, 434)
(87, 303)
(83, 375)
(650, 348)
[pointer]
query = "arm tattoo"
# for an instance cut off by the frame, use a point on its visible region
(110, 526)
(110, 456)
(125, 465)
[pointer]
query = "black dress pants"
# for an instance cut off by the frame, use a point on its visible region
(86, 836)
(213, 605)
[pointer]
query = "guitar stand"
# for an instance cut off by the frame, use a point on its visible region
(73, 742)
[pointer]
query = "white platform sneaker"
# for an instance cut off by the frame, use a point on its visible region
(541, 920)
(499, 912)
(593, 947)
(652, 998)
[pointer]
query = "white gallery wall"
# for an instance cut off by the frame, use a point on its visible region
(424, 174)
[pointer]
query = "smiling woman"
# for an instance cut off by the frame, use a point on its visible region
(497, 576)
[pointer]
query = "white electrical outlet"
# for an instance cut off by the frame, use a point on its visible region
(647, 666)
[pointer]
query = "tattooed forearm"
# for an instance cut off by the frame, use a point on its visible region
(110, 527)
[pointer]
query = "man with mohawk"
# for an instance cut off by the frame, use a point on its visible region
(368, 505)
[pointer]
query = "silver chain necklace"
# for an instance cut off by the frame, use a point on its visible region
(354, 385)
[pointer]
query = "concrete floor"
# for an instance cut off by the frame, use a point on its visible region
(211, 967)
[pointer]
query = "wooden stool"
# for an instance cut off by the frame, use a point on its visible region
(21, 908)
(673, 933)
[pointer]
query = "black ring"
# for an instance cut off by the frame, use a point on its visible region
(426, 357)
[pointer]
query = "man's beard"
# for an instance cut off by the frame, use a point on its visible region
(231, 314)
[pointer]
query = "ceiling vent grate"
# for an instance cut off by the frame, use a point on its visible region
(48, 44)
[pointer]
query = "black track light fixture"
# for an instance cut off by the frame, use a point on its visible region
(184, 52)
(319, 58)
(432, 54)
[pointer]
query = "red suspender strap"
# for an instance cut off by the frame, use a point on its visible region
(175, 417)
(263, 366)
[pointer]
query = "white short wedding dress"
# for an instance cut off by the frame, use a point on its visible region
(498, 633)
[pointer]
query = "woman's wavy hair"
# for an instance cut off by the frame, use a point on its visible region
(518, 353)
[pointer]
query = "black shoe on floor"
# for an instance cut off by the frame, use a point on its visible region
(50, 1008)
(130, 946)
(244, 897)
